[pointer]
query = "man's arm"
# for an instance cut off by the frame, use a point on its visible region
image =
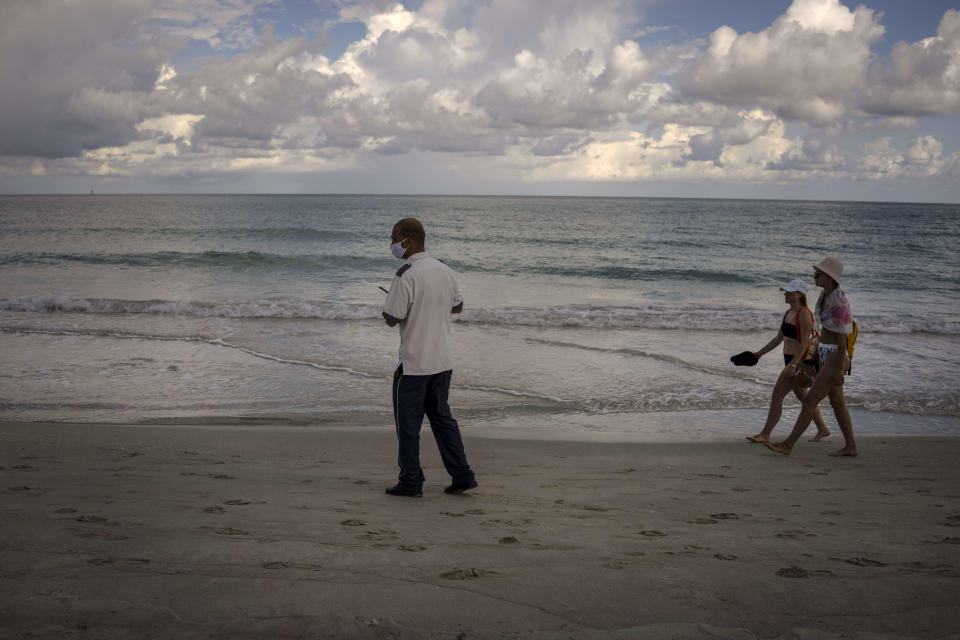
(397, 304)
(457, 299)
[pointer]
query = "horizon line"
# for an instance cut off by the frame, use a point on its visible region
(461, 195)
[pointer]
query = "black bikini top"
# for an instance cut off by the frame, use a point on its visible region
(788, 330)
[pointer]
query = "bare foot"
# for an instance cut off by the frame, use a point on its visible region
(779, 448)
(820, 436)
(759, 438)
(846, 452)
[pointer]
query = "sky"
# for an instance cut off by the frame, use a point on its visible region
(801, 99)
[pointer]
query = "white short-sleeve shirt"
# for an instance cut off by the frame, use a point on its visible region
(422, 296)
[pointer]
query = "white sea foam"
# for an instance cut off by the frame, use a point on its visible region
(653, 316)
(227, 309)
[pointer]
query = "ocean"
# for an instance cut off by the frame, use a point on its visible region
(604, 315)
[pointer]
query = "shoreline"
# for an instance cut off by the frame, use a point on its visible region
(677, 426)
(246, 531)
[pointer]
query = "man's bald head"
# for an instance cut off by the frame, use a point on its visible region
(412, 229)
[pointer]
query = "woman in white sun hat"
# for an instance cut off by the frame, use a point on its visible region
(796, 334)
(833, 313)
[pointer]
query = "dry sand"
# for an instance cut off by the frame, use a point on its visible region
(246, 531)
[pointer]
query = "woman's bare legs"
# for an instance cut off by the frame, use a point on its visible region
(839, 404)
(780, 391)
(785, 382)
(822, 386)
(822, 431)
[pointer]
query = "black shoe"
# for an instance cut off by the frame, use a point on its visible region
(400, 490)
(460, 487)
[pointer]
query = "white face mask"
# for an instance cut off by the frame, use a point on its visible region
(397, 249)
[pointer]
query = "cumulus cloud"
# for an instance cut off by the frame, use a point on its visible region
(922, 78)
(245, 98)
(551, 91)
(741, 150)
(811, 155)
(73, 76)
(923, 158)
(546, 93)
(736, 130)
(803, 66)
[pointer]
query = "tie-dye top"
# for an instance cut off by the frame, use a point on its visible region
(834, 312)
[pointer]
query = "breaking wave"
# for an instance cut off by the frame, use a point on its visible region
(653, 316)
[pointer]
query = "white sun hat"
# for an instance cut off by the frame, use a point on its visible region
(795, 285)
(830, 266)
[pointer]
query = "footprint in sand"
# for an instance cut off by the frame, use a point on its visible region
(97, 520)
(615, 564)
(652, 533)
(467, 574)
(237, 502)
(21, 488)
(103, 535)
(99, 561)
(412, 547)
(702, 521)
(951, 541)
(452, 515)
(927, 566)
(214, 510)
(228, 531)
(725, 516)
(720, 556)
(800, 572)
(377, 536)
(790, 535)
(353, 523)
(474, 512)
(861, 562)
(372, 536)
(518, 523)
(277, 565)
(508, 540)
(66, 510)
(218, 476)
(688, 550)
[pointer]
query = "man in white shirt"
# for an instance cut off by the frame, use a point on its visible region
(422, 297)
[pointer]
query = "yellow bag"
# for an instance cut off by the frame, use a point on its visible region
(851, 340)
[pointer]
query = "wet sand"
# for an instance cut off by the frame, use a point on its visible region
(258, 531)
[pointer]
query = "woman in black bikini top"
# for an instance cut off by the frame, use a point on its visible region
(795, 338)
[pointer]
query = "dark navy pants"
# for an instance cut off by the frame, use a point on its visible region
(414, 396)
